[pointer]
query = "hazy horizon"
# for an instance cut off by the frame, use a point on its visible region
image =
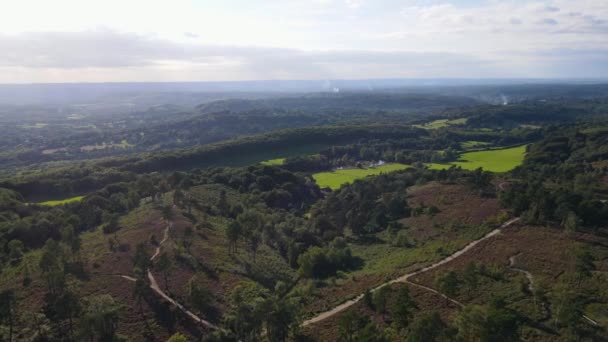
(190, 41)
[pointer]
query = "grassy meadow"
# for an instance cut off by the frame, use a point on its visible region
(472, 144)
(53, 203)
(502, 160)
(274, 162)
(335, 179)
(442, 123)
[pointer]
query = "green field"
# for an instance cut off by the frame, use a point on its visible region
(123, 144)
(277, 161)
(502, 160)
(63, 201)
(442, 123)
(472, 144)
(335, 179)
(36, 125)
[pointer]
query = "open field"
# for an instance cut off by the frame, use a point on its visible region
(442, 123)
(277, 161)
(472, 144)
(62, 201)
(36, 125)
(103, 146)
(335, 179)
(502, 160)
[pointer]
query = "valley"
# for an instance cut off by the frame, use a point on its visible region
(362, 216)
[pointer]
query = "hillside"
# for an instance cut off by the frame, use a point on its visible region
(329, 232)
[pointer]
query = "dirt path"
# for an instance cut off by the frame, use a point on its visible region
(405, 278)
(526, 273)
(531, 289)
(156, 288)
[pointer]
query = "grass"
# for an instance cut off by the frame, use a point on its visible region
(37, 125)
(442, 123)
(472, 144)
(277, 161)
(123, 144)
(598, 312)
(245, 159)
(528, 126)
(335, 179)
(53, 203)
(502, 160)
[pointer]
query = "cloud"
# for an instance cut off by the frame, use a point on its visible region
(303, 39)
(111, 50)
(548, 21)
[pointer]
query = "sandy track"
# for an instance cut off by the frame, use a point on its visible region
(156, 288)
(405, 278)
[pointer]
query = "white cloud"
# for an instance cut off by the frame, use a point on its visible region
(243, 39)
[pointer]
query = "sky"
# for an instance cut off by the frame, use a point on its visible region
(232, 40)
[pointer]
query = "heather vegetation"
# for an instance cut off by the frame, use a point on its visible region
(349, 218)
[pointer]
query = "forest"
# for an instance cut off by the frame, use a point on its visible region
(227, 235)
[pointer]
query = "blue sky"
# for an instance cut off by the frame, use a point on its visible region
(202, 40)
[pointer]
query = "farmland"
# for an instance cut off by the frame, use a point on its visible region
(53, 203)
(277, 161)
(335, 179)
(502, 160)
(442, 123)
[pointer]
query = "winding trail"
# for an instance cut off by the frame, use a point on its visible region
(156, 288)
(519, 270)
(531, 289)
(405, 278)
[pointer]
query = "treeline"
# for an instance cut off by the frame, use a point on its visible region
(173, 126)
(535, 112)
(562, 180)
(89, 176)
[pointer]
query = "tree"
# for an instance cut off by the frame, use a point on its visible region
(584, 265)
(164, 265)
(178, 197)
(571, 222)
(488, 323)
(62, 305)
(198, 296)
(470, 276)
(141, 260)
(368, 299)
(222, 204)
(348, 326)
(51, 265)
(251, 224)
(429, 328)
(42, 326)
(100, 318)
(281, 315)
(395, 227)
(380, 299)
(178, 337)
(15, 250)
(354, 327)
(167, 212)
(233, 232)
(71, 239)
(188, 236)
(402, 307)
(448, 284)
(8, 309)
(139, 294)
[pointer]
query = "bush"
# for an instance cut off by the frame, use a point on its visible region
(401, 240)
